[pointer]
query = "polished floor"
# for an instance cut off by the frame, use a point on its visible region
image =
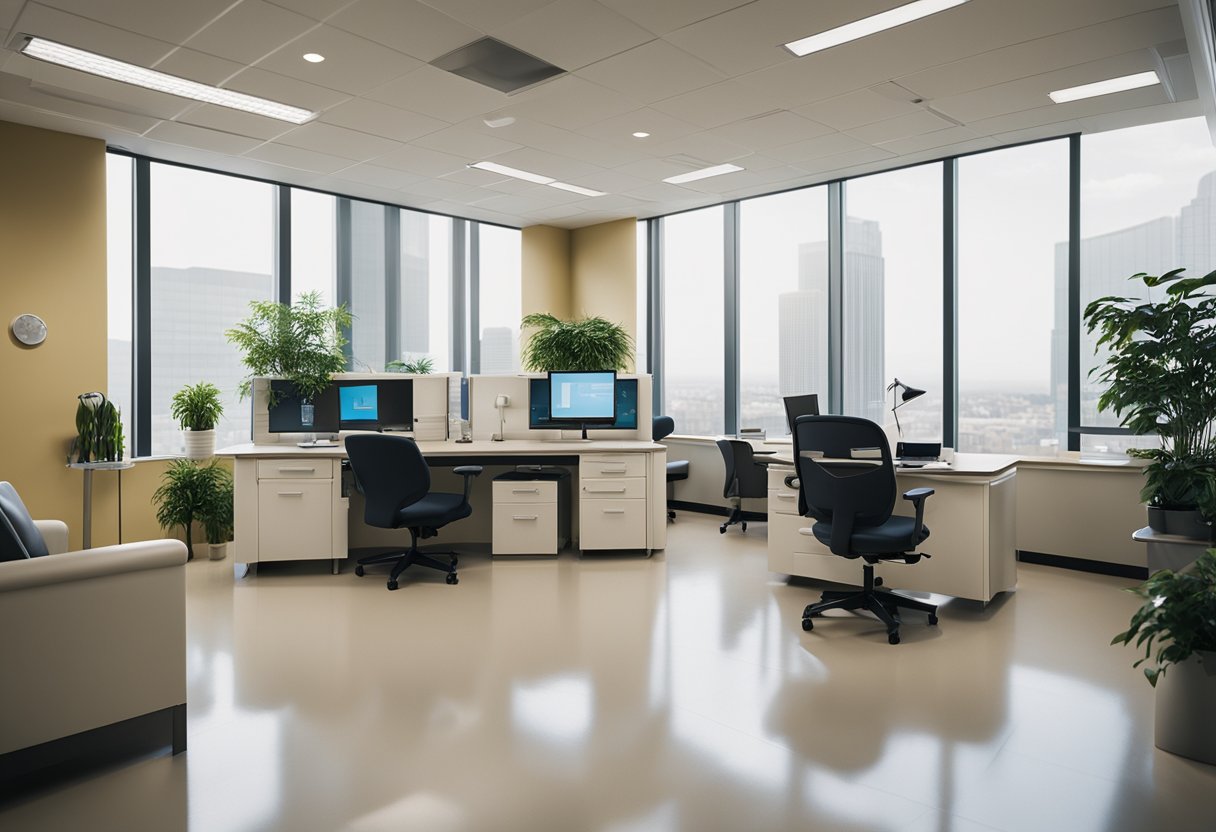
(624, 694)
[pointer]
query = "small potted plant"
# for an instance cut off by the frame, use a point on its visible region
(197, 409)
(582, 344)
(1176, 626)
(99, 435)
(185, 492)
(217, 514)
(421, 366)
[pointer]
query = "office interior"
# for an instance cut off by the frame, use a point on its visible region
(620, 691)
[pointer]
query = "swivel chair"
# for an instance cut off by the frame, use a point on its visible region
(677, 470)
(396, 485)
(744, 478)
(851, 496)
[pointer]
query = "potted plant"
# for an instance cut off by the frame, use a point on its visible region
(99, 434)
(185, 492)
(217, 513)
(301, 343)
(197, 409)
(1176, 626)
(582, 344)
(421, 366)
(1158, 379)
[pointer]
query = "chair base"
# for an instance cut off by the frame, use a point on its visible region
(411, 556)
(736, 516)
(883, 604)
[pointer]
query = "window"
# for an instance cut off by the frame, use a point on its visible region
(892, 321)
(212, 252)
(694, 385)
(783, 305)
(314, 234)
(1013, 212)
(365, 296)
(426, 289)
(120, 266)
(499, 298)
(641, 338)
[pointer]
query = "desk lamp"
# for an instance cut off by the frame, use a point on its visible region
(501, 401)
(908, 394)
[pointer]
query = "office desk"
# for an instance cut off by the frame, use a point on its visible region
(971, 519)
(290, 503)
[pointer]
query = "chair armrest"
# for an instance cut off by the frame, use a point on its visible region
(792, 481)
(55, 534)
(918, 497)
(468, 472)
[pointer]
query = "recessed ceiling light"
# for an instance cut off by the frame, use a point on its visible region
(703, 173)
(870, 25)
(575, 189)
(139, 76)
(1127, 82)
(641, 135)
(313, 57)
(514, 173)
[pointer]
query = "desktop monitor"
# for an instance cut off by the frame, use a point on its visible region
(805, 405)
(358, 406)
(286, 415)
(583, 398)
(626, 407)
(395, 400)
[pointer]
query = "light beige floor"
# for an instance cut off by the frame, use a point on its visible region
(624, 694)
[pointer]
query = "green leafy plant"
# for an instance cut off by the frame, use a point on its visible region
(583, 344)
(217, 509)
(1159, 380)
(1178, 616)
(99, 434)
(301, 343)
(197, 406)
(186, 493)
(418, 366)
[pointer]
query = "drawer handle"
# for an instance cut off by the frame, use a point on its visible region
(297, 470)
(620, 490)
(291, 493)
(524, 517)
(614, 511)
(613, 470)
(786, 496)
(525, 490)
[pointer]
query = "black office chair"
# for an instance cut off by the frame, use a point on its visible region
(852, 495)
(677, 470)
(396, 485)
(744, 478)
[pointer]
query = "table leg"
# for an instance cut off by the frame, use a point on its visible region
(87, 529)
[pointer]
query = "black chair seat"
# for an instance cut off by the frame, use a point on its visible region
(677, 470)
(893, 538)
(436, 509)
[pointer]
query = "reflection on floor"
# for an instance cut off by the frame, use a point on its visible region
(625, 694)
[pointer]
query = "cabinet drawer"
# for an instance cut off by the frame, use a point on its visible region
(295, 469)
(626, 488)
(524, 492)
(295, 519)
(623, 465)
(782, 501)
(525, 528)
(612, 524)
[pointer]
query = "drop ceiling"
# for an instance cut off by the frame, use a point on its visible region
(707, 79)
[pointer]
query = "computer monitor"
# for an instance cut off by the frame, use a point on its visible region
(358, 406)
(583, 397)
(395, 399)
(805, 405)
(626, 407)
(286, 415)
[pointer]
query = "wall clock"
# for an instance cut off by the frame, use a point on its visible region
(28, 329)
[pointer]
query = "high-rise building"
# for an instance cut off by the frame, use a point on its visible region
(802, 326)
(864, 320)
(415, 284)
(498, 351)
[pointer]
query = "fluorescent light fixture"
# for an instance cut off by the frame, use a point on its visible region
(870, 25)
(313, 57)
(575, 189)
(641, 135)
(1127, 82)
(514, 173)
(703, 173)
(57, 53)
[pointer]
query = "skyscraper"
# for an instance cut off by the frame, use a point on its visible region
(415, 284)
(802, 326)
(498, 352)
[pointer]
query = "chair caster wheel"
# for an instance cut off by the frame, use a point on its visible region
(878, 582)
(359, 571)
(743, 525)
(722, 529)
(932, 619)
(892, 638)
(452, 579)
(808, 625)
(392, 585)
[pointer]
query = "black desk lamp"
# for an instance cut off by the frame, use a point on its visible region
(908, 394)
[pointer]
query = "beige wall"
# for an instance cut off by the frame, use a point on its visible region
(545, 271)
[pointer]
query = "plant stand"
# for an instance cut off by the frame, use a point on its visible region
(1169, 551)
(89, 468)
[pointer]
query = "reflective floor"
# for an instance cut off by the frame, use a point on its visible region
(625, 694)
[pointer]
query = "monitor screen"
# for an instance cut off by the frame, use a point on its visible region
(287, 417)
(626, 406)
(805, 405)
(358, 403)
(396, 403)
(584, 398)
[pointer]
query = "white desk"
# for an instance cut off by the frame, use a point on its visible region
(290, 505)
(971, 519)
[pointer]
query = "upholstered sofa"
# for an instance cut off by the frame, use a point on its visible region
(93, 655)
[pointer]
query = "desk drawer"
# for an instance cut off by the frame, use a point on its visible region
(295, 519)
(525, 528)
(612, 524)
(295, 469)
(525, 492)
(620, 465)
(625, 488)
(782, 501)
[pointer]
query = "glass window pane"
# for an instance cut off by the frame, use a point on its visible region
(426, 287)
(783, 305)
(212, 247)
(120, 267)
(314, 263)
(500, 301)
(694, 385)
(892, 323)
(1013, 213)
(367, 287)
(641, 338)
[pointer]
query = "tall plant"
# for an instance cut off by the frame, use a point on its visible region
(1159, 379)
(582, 344)
(185, 494)
(197, 406)
(218, 510)
(301, 343)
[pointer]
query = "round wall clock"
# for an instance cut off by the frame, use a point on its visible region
(28, 329)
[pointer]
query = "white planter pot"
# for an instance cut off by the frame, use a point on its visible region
(217, 551)
(200, 444)
(1186, 709)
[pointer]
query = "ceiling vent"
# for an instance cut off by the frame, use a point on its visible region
(497, 65)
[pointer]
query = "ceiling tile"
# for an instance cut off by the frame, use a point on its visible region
(352, 64)
(250, 30)
(856, 109)
(912, 124)
(484, 15)
(472, 145)
(338, 141)
(654, 170)
(73, 30)
(826, 145)
(770, 130)
(172, 22)
(370, 174)
(404, 25)
(19, 91)
(198, 66)
(277, 87)
(8, 12)
(669, 15)
(570, 102)
(749, 37)
(234, 121)
(559, 167)
(438, 188)
(620, 129)
(718, 105)
(202, 138)
(381, 119)
(295, 157)
(422, 161)
(704, 147)
(652, 72)
(843, 161)
(439, 94)
(316, 9)
(928, 141)
(572, 33)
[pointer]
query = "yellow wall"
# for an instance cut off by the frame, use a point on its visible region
(545, 271)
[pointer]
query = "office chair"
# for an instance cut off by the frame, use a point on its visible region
(744, 478)
(677, 470)
(396, 485)
(852, 497)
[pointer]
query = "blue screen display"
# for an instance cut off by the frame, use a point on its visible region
(582, 397)
(358, 403)
(626, 406)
